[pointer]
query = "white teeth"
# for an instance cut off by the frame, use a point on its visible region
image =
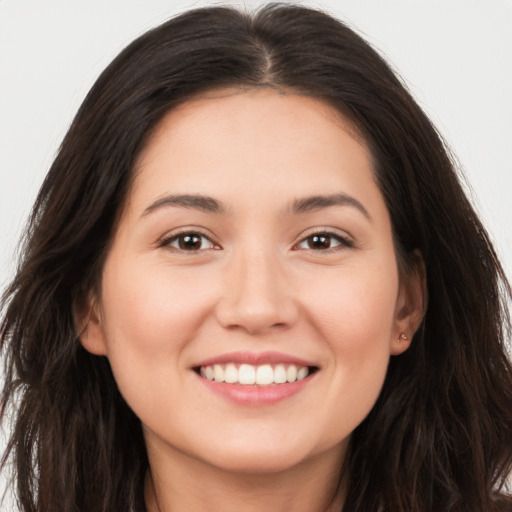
(302, 373)
(279, 374)
(231, 374)
(247, 374)
(209, 373)
(218, 373)
(264, 375)
(291, 373)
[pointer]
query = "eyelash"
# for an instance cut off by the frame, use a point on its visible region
(342, 242)
(176, 237)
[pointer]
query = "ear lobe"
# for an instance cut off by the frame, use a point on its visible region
(88, 325)
(411, 305)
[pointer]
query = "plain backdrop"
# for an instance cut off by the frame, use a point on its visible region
(454, 55)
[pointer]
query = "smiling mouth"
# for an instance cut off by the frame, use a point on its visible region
(255, 375)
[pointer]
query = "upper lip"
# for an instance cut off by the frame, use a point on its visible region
(255, 358)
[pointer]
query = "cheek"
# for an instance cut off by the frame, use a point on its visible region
(354, 315)
(148, 320)
(154, 310)
(355, 306)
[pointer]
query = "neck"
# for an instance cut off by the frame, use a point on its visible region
(314, 486)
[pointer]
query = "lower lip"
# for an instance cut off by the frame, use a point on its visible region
(256, 395)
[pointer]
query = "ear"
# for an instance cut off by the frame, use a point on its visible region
(88, 324)
(411, 304)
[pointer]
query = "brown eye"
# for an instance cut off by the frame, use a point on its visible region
(190, 242)
(319, 241)
(322, 242)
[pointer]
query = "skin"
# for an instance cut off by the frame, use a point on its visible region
(255, 281)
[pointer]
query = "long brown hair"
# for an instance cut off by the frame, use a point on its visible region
(440, 435)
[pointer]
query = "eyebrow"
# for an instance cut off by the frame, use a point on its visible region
(210, 205)
(313, 203)
(194, 202)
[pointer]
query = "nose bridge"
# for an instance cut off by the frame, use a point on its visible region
(257, 295)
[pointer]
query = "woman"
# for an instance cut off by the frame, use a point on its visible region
(252, 281)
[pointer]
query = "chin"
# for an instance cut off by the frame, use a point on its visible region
(261, 464)
(263, 456)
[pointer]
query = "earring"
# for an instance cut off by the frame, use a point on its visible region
(402, 337)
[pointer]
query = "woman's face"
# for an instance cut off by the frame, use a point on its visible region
(254, 245)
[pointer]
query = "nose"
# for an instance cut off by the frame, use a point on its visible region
(257, 296)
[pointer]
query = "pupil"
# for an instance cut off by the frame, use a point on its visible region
(190, 242)
(320, 242)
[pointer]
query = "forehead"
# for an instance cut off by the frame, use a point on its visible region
(232, 104)
(263, 133)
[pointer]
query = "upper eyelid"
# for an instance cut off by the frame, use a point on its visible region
(338, 233)
(346, 241)
(185, 230)
(172, 235)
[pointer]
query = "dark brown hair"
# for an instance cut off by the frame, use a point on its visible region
(440, 435)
